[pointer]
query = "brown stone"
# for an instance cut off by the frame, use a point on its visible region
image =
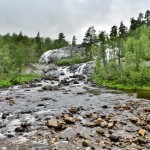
(86, 143)
(53, 140)
(100, 131)
(69, 120)
(98, 121)
(110, 125)
(134, 119)
(142, 132)
(104, 124)
(53, 123)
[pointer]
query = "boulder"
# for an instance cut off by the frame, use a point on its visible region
(47, 88)
(60, 53)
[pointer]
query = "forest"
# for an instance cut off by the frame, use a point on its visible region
(122, 56)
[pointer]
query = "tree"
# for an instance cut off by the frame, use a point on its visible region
(103, 38)
(140, 21)
(73, 44)
(133, 25)
(61, 41)
(114, 31)
(147, 17)
(39, 43)
(89, 39)
(123, 30)
(74, 41)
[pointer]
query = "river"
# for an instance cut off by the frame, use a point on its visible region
(92, 117)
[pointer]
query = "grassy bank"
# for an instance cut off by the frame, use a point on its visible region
(71, 61)
(9, 81)
(114, 85)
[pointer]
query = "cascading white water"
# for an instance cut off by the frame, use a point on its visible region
(80, 69)
(66, 72)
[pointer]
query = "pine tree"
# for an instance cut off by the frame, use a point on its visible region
(134, 24)
(74, 41)
(89, 39)
(114, 31)
(147, 17)
(140, 20)
(122, 30)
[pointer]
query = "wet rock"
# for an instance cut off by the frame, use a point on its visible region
(73, 110)
(9, 97)
(110, 125)
(104, 106)
(75, 82)
(11, 102)
(142, 132)
(88, 115)
(123, 122)
(40, 105)
(131, 128)
(47, 88)
(98, 121)
(55, 124)
(53, 140)
(45, 98)
(148, 118)
(104, 124)
(140, 140)
(89, 124)
(64, 82)
(4, 115)
(2, 124)
(80, 93)
(62, 73)
(69, 120)
(86, 143)
(89, 148)
(134, 119)
(100, 131)
(25, 125)
(102, 144)
(147, 109)
(19, 129)
(114, 138)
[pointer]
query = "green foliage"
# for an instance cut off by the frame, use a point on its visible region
(13, 80)
(134, 70)
(76, 59)
(17, 52)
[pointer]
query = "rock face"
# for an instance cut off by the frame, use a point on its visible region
(64, 52)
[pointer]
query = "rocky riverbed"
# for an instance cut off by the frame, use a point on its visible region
(64, 111)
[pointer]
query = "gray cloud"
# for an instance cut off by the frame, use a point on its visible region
(72, 17)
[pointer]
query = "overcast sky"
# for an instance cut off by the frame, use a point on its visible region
(72, 17)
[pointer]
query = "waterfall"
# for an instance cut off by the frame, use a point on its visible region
(80, 69)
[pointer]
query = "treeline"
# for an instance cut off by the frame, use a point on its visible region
(123, 55)
(18, 51)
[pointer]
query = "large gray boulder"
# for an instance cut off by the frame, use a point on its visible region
(60, 53)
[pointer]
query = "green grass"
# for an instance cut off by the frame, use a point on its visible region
(9, 81)
(113, 85)
(71, 61)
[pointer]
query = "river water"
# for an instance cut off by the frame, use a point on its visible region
(25, 109)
